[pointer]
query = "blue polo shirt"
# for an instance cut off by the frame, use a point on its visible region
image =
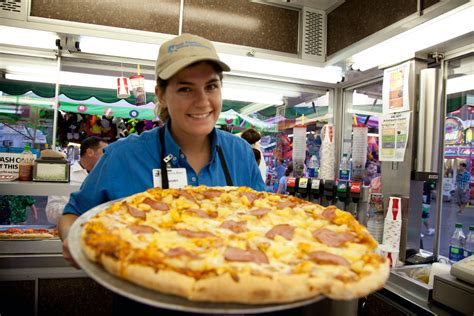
(126, 168)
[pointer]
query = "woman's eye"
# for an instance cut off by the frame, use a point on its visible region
(184, 89)
(213, 86)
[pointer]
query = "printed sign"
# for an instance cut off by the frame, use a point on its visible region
(9, 163)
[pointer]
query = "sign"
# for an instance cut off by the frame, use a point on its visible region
(9, 163)
(396, 89)
(393, 132)
(453, 131)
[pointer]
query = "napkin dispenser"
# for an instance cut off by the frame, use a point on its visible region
(52, 166)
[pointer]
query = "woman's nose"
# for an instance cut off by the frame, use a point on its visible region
(202, 98)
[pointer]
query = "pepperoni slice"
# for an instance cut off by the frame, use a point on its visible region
(260, 212)
(331, 238)
(284, 204)
(251, 196)
(323, 257)
(203, 214)
(236, 227)
(160, 206)
(136, 212)
(193, 234)
(184, 193)
(284, 230)
(180, 251)
(249, 255)
(142, 229)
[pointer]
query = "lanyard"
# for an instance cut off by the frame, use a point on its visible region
(164, 161)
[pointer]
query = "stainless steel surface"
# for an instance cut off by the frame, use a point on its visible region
(428, 122)
(37, 188)
(21, 247)
(154, 298)
(32, 261)
(404, 277)
(454, 293)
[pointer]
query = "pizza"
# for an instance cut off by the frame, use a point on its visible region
(234, 244)
(28, 233)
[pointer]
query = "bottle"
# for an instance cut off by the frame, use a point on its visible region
(456, 244)
(469, 244)
(375, 221)
(25, 167)
(312, 168)
(344, 168)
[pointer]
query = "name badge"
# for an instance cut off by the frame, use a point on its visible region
(177, 178)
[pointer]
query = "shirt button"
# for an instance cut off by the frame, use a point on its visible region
(193, 179)
(182, 156)
(174, 158)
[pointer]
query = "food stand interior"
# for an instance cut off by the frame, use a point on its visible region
(35, 279)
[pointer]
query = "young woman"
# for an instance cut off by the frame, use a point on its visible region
(189, 84)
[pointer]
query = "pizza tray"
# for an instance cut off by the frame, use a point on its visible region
(156, 299)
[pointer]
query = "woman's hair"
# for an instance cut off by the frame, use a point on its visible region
(257, 154)
(162, 112)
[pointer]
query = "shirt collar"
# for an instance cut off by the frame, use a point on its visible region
(76, 166)
(171, 147)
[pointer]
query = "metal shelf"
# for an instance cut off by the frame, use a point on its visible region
(37, 188)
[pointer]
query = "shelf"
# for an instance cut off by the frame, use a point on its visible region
(37, 188)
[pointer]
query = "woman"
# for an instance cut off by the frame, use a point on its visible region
(189, 82)
(283, 183)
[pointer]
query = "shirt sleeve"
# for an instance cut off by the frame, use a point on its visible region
(94, 190)
(256, 177)
(55, 207)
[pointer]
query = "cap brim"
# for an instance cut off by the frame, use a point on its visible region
(174, 68)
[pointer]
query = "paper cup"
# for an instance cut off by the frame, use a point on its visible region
(390, 253)
(138, 85)
(123, 87)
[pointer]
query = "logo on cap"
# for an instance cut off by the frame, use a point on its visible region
(174, 48)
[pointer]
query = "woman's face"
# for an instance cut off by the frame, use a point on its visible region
(193, 99)
(371, 169)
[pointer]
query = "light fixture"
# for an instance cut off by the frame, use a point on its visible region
(47, 75)
(450, 25)
(330, 74)
(28, 38)
(460, 84)
(111, 47)
(257, 107)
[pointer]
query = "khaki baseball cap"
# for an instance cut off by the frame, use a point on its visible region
(182, 51)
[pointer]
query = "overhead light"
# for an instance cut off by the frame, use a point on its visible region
(26, 37)
(330, 74)
(47, 75)
(460, 84)
(450, 25)
(256, 107)
(111, 47)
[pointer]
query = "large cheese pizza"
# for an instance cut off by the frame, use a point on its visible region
(226, 244)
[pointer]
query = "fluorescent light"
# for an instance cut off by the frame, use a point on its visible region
(29, 38)
(111, 47)
(47, 75)
(330, 74)
(460, 84)
(450, 25)
(256, 107)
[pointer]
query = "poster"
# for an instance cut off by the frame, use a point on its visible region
(9, 163)
(396, 89)
(393, 136)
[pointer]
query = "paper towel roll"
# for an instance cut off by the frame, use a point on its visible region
(438, 268)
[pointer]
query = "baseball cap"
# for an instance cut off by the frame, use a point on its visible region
(182, 51)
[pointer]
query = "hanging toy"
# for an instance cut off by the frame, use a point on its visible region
(138, 85)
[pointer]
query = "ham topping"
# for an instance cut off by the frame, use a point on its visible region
(182, 192)
(211, 194)
(329, 213)
(323, 257)
(331, 238)
(136, 212)
(250, 196)
(180, 251)
(284, 230)
(236, 227)
(203, 214)
(259, 212)
(160, 206)
(249, 255)
(283, 204)
(192, 234)
(142, 229)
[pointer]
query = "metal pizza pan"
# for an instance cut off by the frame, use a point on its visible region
(154, 298)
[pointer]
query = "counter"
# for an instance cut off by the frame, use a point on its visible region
(37, 188)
